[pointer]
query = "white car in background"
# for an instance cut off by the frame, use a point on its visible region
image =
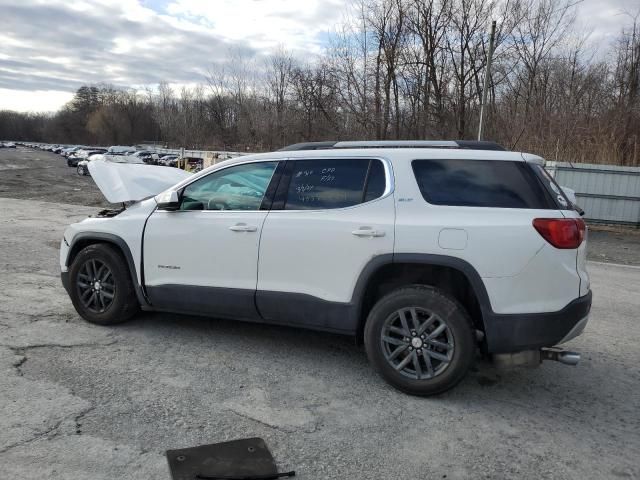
(82, 154)
(147, 156)
(169, 160)
(121, 150)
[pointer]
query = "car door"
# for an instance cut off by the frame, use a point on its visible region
(202, 258)
(331, 216)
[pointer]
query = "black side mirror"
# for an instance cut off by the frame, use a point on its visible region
(169, 201)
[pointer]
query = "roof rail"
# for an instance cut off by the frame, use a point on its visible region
(479, 145)
(454, 144)
(309, 146)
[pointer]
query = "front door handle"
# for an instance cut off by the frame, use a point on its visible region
(368, 232)
(243, 227)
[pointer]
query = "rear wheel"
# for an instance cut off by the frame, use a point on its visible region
(420, 340)
(100, 286)
(80, 170)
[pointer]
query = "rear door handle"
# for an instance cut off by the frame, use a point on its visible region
(243, 227)
(368, 232)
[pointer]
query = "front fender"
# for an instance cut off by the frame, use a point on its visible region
(84, 239)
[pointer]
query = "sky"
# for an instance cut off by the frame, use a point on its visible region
(49, 48)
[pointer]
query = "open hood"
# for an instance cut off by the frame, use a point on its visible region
(122, 182)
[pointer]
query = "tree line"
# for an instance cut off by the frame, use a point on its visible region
(394, 69)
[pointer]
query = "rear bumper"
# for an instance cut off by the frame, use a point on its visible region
(517, 332)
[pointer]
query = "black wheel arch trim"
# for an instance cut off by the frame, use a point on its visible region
(380, 261)
(503, 332)
(103, 237)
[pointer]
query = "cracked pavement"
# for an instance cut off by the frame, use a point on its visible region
(80, 401)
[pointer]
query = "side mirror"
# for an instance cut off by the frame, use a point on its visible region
(168, 200)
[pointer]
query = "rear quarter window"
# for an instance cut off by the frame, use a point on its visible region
(481, 183)
(552, 187)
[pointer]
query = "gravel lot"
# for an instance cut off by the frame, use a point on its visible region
(86, 402)
(39, 175)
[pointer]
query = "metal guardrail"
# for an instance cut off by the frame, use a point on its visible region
(607, 193)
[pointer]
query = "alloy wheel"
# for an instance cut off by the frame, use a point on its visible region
(96, 286)
(417, 343)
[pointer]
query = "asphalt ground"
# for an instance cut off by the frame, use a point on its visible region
(79, 401)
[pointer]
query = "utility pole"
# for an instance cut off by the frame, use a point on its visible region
(487, 74)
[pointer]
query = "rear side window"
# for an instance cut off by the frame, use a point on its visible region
(481, 183)
(334, 183)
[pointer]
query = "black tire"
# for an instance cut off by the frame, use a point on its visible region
(421, 302)
(123, 303)
(80, 170)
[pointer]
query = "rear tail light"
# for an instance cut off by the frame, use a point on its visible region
(561, 232)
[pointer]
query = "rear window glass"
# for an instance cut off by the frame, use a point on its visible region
(481, 183)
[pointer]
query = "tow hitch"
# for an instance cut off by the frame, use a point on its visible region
(533, 358)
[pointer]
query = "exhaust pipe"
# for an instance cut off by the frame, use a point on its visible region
(533, 358)
(562, 356)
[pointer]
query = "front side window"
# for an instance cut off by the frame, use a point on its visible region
(480, 183)
(334, 183)
(241, 187)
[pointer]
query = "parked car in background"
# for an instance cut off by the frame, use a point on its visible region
(68, 151)
(121, 150)
(7, 145)
(147, 156)
(83, 165)
(59, 148)
(83, 154)
(191, 164)
(168, 160)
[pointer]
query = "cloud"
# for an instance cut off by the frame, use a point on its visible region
(58, 45)
(603, 20)
(264, 23)
(33, 100)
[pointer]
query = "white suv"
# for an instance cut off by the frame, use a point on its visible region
(427, 251)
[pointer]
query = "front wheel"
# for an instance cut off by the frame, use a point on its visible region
(100, 286)
(420, 340)
(80, 170)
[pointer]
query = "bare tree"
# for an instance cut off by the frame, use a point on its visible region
(394, 69)
(279, 75)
